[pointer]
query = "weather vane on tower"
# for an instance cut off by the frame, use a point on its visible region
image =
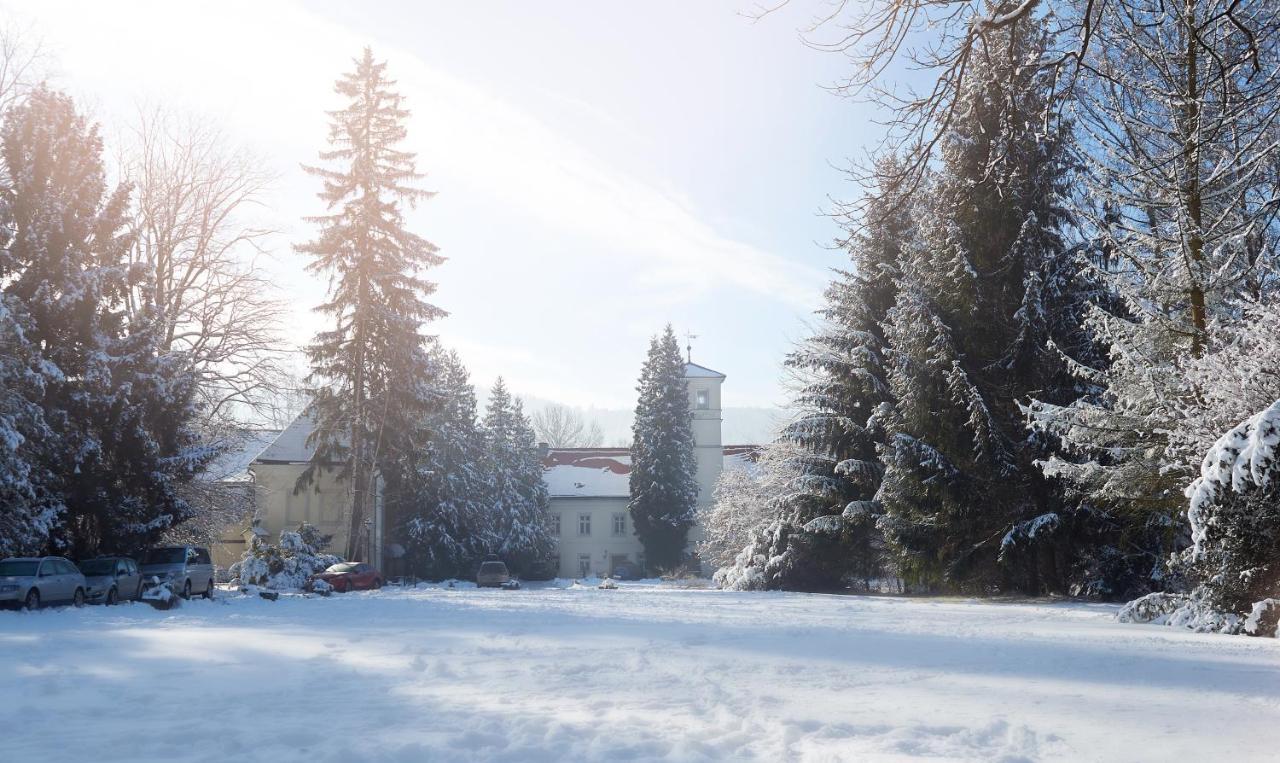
(688, 347)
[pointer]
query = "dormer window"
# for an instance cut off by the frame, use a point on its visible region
(703, 398)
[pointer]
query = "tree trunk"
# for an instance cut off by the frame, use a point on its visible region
(1193, 192)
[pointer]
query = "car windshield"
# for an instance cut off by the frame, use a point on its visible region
(18, 568)
(344, 567)
(165, 556)
(98, 567)
(493, 568)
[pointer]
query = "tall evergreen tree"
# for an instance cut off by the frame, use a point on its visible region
(824, 473)
(984, 291)
(29, 502)
(445, 516)
(664, 484)
(519, 523)
(117, 408)
(368, 373)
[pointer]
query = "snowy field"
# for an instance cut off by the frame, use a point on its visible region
(639, 673)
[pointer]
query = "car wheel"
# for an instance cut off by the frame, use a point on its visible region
(32, 602)
(341, 586)
(78, 599)
(377, 584)
(186, 590)
(208, 592)
(113, 597)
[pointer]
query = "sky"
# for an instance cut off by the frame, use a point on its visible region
(600, 169)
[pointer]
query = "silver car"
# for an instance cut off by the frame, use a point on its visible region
(493, 574)
(109, 579)
(187, 569)
(32, 582)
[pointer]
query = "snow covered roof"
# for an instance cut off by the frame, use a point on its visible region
(290, 447)
(606, 472)
(569, 472)
(695, 371)
(242, 448)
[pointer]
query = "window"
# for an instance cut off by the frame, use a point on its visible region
(200, 557)
(555, 524)
(620, 524)
(584, 565)
(584, 524)
(703, 399)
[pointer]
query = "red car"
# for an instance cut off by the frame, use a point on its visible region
(350, 576)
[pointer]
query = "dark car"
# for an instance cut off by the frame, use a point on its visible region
(543, 570)
(110, 579)
(349, 576)
(627, 571)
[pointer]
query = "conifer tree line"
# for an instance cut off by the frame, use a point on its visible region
(393, 412)
(135, 339)
(1060, 295)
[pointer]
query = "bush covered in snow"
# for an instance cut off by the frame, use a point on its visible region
(286, 565)
(1234, 558)
(1235, 516)
(1152, 608)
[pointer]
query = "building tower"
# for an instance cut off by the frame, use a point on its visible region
(704, 401)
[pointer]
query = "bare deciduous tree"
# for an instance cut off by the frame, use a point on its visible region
(23, 62)
(193, 198)
(563, 427)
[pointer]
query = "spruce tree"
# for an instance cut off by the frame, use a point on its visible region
(118, 409)
(445, 516)
(29, 502)
(664, 485)
(823, 473)
(518, 521)
(970, 340)
(369, 372)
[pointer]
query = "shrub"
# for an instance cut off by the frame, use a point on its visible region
(286, 565)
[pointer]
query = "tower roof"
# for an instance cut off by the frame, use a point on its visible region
(695, 371)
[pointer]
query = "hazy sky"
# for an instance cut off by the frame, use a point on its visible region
(601, 168)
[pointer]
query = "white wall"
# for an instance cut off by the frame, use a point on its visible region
(602, 545)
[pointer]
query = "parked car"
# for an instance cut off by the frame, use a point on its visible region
(32, 582)
(349, 576)
(543, 570)
(108, 579)
(627, 571)
(493, 574)
(185, 568)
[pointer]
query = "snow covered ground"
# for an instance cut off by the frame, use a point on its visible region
(637, 673)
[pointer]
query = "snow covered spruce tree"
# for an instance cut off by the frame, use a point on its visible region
(1180, 127)
(29, 501)
(519, 525)
(664, 483)
(820, 479)
(446, 517)
(986, 289)
(369, 372)
(117, 410)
